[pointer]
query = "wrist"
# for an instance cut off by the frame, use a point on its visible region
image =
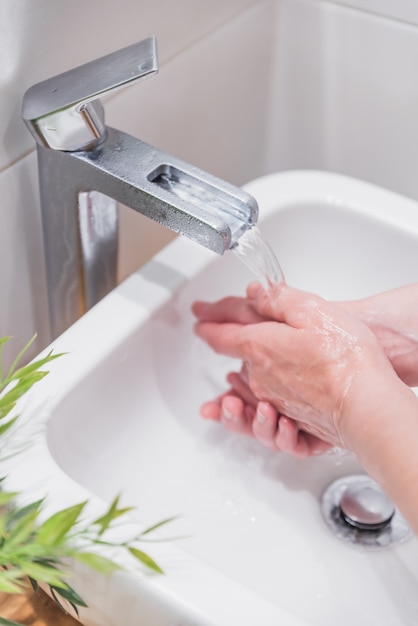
(381, 427)
(370, 405)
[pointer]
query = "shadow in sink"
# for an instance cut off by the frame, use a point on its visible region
(132, 423)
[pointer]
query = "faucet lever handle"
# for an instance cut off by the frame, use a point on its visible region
(65, 113)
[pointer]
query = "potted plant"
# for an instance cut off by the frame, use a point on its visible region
(34, 551)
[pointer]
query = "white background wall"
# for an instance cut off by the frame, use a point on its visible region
(245, 87)
(346, 90)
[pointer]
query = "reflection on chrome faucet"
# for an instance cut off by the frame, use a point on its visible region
(86, 168)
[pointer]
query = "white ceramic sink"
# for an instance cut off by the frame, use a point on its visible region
(121, 415)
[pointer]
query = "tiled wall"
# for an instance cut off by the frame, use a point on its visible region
(207, 105)
(346, 90)
(245, 87)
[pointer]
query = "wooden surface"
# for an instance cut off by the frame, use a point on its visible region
(33, 610)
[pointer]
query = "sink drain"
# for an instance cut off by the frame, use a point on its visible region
(357, 511)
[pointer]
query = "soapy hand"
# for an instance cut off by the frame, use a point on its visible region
(304, 358)
(238, 409)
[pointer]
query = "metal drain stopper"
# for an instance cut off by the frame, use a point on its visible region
(357, 511)
(366, 507)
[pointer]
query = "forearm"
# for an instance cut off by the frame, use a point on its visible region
(381, 427)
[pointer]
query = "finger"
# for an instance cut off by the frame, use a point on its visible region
(232, 309)
(222, 338)
(211, 410)
(241, 388)
(236, 416)
(265, 424)
(291, 439)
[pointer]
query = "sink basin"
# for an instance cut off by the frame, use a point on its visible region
(119, 414)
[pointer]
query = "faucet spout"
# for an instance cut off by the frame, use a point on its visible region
(171, 192)
(81, 186)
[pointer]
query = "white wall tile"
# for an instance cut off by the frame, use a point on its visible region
(23, 310)
(43, 38)
(346, 94)
(208, 106)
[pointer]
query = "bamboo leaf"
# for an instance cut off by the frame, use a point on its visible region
(21, 530)
(9, 399)
(70, 595)
(151, 529)
(16, 514)
(9, 622)
(97, 562)
(56, 599)
(10, 580)
(145, 559)
(17, 359)
(27, 370)
(3, 341)
(43, 573)
(7, 425)
(111, 514)
(6, 497)
(54, 530)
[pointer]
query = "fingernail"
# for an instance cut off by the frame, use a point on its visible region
(227, 414)
(261, 418)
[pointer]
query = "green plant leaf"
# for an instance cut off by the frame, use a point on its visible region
(9, 622)
(26, 370)
(145, 559)
(11, 580)
(4, 427)
(16, 514)
(6, 497)
(54, 530)
(97, 562)
(57, 600)
(163, 522)
(3, 341)
(17, 359)
(9, 399)
(69, 594)
(22, 529)
(111, 514)
(42, 572)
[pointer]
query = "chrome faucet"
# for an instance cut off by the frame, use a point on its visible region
(86, 168)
